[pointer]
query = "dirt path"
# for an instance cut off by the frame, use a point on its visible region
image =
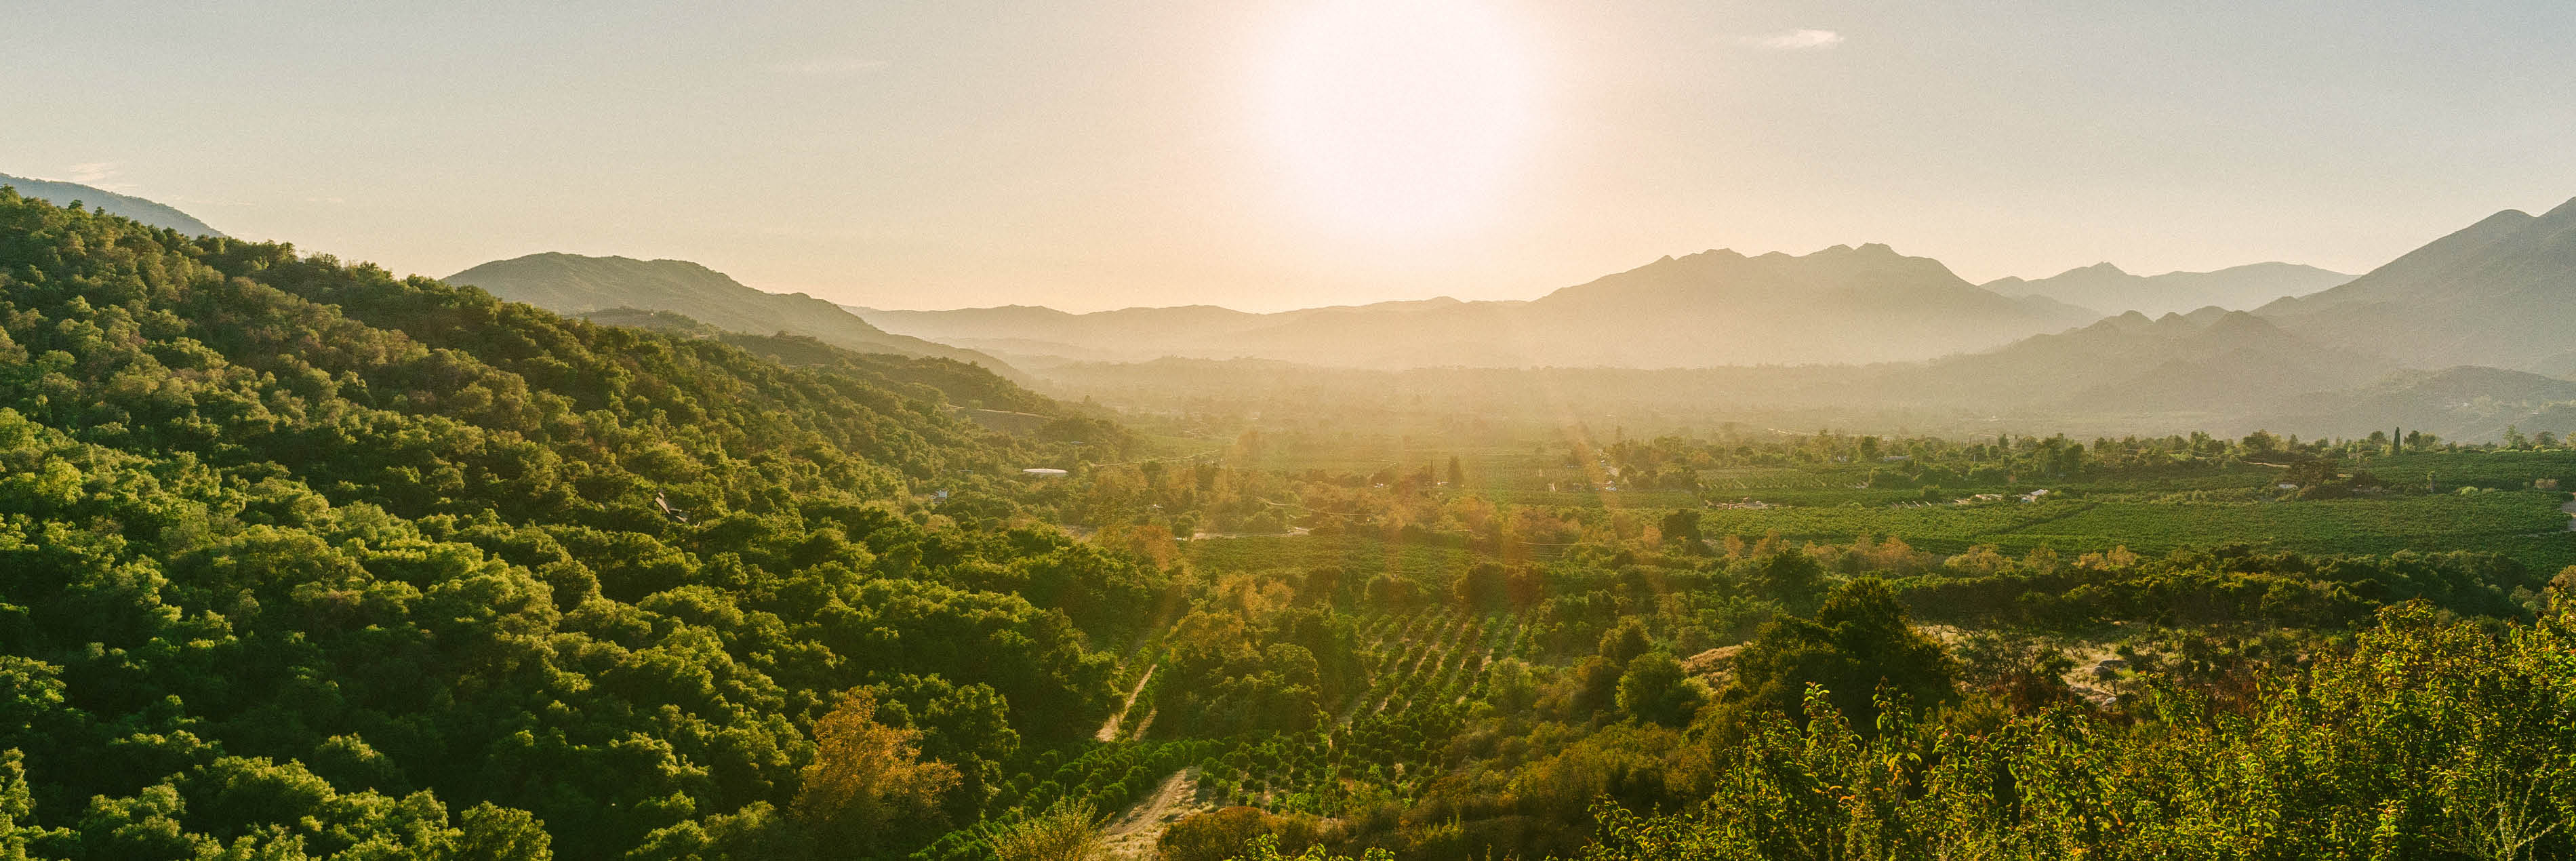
(1109, 730)
(2570, 508)
(2086, 655)
(2081, 678)
(1135, 833)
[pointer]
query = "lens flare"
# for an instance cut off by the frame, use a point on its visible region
(1400, 117)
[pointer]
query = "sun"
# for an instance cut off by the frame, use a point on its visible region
(1399, 117)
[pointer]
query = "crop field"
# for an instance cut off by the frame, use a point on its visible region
(1387, 736)
(1932, 527)
(1602, 499)
(1425, 669)
(1420, 659)
(1359, 557)
(2497, 469)
(2524, 524)
(1383, 741)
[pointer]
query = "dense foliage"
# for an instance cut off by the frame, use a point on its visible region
(2429, 739)
(301, 559)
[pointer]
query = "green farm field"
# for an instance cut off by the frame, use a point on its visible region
(2526, 525)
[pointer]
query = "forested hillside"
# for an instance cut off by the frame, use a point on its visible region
(149, 212)
(300, 559)
(576, 284)
(963, 385)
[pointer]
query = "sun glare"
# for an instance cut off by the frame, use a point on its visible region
(1399, 117)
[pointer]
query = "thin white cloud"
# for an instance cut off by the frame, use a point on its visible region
(178, 200)
(832, 67)
(96, 173)
(1798, 40)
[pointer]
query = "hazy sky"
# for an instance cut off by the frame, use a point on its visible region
(1267, 155)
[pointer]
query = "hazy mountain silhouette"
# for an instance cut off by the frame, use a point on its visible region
(2237, 288)
(1124, 334)
(148, 212)
(2462, 337)
(1839, 305)
(2211, 360)
(575, 284)
(2501, 292)
(2464, 403)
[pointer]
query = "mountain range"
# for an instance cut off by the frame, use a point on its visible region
(2469, 333)
(148, 212)
(2105, 287)
(2408, 342)
(576, 285)
(2465, 337)
(1843, 304)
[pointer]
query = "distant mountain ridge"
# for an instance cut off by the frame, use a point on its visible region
(2501, 292)
(2464, 402)
(2105, 287)
(1842, 304)
(2210, 360)
(2467, 336)
(148, 212)
(578, 285)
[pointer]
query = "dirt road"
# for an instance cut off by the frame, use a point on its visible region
(1109, 730)
(1135, 833)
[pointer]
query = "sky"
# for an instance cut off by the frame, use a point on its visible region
(1264, 155)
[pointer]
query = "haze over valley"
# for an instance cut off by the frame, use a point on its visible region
(1293, 430)
(1845, 336)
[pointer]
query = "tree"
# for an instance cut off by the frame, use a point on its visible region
(1323, 586)
(1624, 643)
(1238, 832)
(1790, 577)
(2310, 473)
(1591, 687)
(1483, 584)
(1682, 528)
(491, 833)
(18, 810)
(1069, 832)
(2022, 671)
(868, 786)
(1858, 641)
(1510, 685)
(1656, 689)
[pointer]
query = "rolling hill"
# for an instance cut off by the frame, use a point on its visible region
(576, 285)
(2464, 403)
(413, 569)
(147, 212)
(2209, 361)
